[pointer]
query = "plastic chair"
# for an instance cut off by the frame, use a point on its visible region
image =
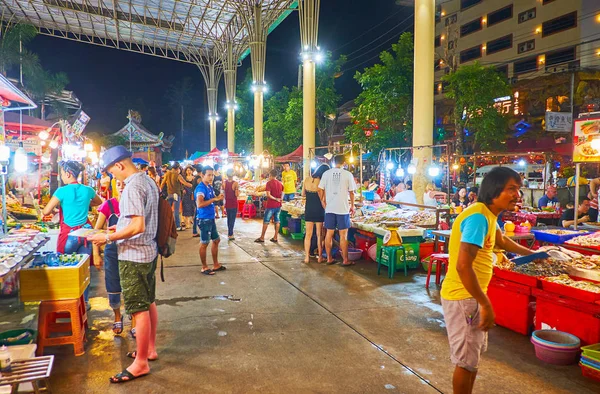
(391, 253)
(249, 211)
(50, 312)
(441, 263)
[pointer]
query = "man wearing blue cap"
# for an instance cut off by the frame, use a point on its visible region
(135, 236)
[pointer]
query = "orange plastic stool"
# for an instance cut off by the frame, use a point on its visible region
(50, 312)
(441, 263)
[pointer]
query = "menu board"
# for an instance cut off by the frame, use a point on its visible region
(586, 140)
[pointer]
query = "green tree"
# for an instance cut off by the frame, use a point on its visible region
(473, 89)
(283, 121)
(44, 86)
(386, 97)
(12, 37)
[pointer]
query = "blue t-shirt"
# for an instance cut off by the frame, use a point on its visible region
(75, 203)
(474, 229)
(208, 212)
(543, 202)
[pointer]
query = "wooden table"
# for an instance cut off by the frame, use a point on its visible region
(530, 238)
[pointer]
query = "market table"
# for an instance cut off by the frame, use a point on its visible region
(530, 238)
(403, 232)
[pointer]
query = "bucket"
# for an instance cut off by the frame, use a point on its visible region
(556, 347)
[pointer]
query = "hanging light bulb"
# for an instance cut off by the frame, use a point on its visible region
(313, 164)
(4, 153)
(390, 165)
(411, 168)
(455, 166)
(46, 158)
(400, 172)
(88, 147)
(434, 171)
(53, 144)
(522, 163)
(351, 159)
(20, 160)
(44, 135)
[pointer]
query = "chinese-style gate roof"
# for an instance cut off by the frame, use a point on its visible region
(140, 136)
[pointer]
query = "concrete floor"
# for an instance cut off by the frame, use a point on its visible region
(270, 324)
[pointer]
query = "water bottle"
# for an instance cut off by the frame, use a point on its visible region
(5, 360)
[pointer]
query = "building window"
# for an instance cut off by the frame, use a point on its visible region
(503, 70)
(470, 54)
(438, 13)
(544, 2)
(526, 46)
(500, 15)
(560, 56)
(470, 27)
(451, 19)
(468, 3)
(499, 44)
(438, 41)
(437, 65)
(527, 65)
(559, 24)
(527, 15)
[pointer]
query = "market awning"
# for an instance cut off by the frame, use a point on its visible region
(13, 121)
(8, 91)
(296, 156)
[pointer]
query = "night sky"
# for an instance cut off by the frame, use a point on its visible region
(109, 81)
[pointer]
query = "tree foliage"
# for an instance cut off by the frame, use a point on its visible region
(11, 54)
(283, 121)
(473, 89)
(386, 97)
(244, 116)
(43, 84)
(328, 99)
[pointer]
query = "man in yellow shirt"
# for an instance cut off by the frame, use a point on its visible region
(467, 309)
(290, 181)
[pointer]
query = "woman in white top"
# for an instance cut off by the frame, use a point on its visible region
(431, 195)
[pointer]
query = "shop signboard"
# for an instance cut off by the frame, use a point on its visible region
(559, 122)
(81, 120)
(586, 140)
(30, 145)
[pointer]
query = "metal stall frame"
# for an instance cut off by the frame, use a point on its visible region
(331, 149)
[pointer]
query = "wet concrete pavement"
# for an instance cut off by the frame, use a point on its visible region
(270, 324)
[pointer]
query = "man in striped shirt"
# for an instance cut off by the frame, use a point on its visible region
(135, 236)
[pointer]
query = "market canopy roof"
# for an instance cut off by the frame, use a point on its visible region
(8, 91)
(171, 29)
(296, 156)
(14, 121)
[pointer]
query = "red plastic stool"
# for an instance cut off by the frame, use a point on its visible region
(249, 211)
(441, 263)
(50, 312)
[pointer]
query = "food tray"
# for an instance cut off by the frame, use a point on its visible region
(544, 236)
(568, 291)
(584, 247)
(516, 277)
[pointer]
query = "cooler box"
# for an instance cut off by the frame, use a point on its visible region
(569, 315)
(55, 283)
(512, 304)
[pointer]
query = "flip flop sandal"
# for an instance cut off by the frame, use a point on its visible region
(207, 272)
(221, 268)
(118, 325)
(134, 354)
(132, 332)
(195, 235)
(331, 262)
(273, 240)
(259, 241)
(349, 264)
(125, 376)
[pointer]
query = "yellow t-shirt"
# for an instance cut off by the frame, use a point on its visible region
(289, 178)
(475, 225)
(582, 181)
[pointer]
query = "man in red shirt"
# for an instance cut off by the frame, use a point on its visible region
(274, 191)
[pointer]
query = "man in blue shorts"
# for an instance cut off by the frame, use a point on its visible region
(335, 187)
(274, 191)
(205, 214)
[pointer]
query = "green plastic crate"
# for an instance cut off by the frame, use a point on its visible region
(297, 236)
(283, 218)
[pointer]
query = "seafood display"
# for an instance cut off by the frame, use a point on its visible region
(585, 240)
(547, 267)
(577, 284)
(387, 215)
(295, 208)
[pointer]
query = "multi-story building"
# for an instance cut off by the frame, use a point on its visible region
(535, 43)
